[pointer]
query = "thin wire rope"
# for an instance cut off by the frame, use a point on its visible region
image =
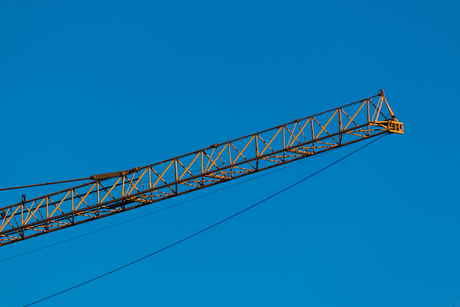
(48, 183)
(205, 229)
(56, 182)
(162, 209)
(80, 179)
(117, 187)
(42, 184)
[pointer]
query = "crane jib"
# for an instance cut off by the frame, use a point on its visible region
(111, 193)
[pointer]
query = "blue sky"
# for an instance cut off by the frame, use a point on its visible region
(97, 86)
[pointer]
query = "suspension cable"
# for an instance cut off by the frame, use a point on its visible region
(203, 230)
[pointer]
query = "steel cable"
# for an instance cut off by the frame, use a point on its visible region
(205, 229)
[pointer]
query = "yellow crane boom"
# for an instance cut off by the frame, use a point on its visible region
(112, 193)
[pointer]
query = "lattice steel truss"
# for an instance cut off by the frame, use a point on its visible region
(112, 193)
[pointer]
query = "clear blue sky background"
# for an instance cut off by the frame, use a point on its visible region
(90, 87)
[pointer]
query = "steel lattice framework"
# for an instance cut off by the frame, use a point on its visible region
(112, 193)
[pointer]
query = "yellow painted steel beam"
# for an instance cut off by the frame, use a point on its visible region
(112, 193)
